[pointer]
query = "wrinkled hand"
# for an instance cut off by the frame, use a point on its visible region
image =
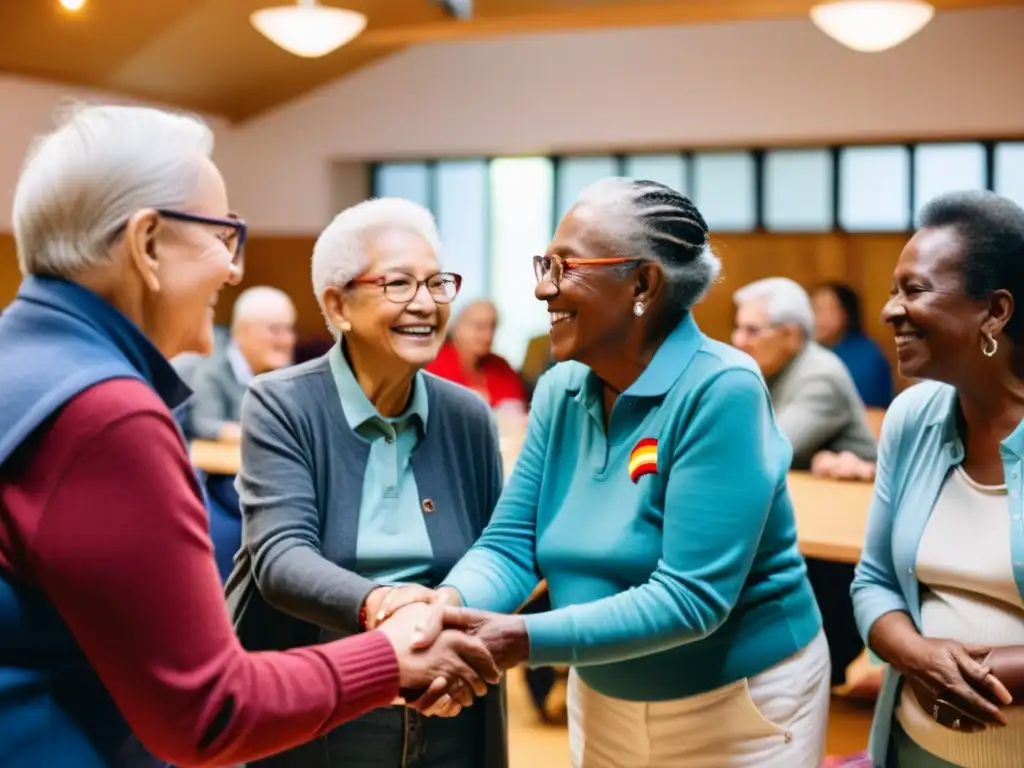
(842, 466)
(504, 636)
(393, 599)
(952, 684)
(435, 662)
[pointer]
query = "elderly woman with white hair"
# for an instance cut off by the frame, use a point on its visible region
(361, 472)
(651, 493)
(116, 647)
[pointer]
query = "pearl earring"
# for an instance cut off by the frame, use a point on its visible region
(638, 308)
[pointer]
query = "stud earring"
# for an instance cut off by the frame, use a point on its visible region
(989, 345)
(345, 326)
(638, 308)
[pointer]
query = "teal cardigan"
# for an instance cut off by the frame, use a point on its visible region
(672, 570)
(920, 443)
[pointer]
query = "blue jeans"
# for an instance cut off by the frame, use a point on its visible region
(398, 737)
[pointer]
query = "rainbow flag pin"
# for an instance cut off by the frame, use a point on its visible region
(643, 460)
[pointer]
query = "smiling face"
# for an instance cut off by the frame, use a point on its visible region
(183, 265)
(402, 334)
(937, 327)
(591, 308)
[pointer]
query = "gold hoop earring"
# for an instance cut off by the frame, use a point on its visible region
(988, 345)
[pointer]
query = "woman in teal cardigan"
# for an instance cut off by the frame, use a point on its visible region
(939, 590)
(651, 494)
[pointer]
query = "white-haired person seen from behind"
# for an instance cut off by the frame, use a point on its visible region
(116, 647)
(813, 394)
(651, 494)
(361, 472)
(262, 340)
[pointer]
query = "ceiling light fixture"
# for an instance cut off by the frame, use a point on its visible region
(72, 5)
(307, 29)
(872, 25)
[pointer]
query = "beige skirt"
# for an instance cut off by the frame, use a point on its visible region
(778, 718)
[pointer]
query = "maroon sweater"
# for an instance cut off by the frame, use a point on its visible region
(104, 515)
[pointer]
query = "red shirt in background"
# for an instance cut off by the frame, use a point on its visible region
(103, 514)
(495, 380)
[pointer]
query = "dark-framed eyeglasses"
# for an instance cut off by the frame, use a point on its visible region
(401, 288)
(233, 238)
(554, 266)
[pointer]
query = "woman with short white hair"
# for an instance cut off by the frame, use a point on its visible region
(115, 643)
(361, 472)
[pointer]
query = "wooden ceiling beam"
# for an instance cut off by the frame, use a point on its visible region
(516, 17)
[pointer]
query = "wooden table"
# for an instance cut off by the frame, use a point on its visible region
(216, 458)
(830, 515)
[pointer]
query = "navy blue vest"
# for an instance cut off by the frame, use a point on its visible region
(56, 340)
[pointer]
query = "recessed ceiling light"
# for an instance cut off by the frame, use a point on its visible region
(72, 5)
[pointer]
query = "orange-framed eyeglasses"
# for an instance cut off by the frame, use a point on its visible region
(553, 267)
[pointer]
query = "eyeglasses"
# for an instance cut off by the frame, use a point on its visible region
(553, 267)
(234, 240)
(401, 288)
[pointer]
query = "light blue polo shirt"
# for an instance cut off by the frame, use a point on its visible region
(392, 545)
(668, 540)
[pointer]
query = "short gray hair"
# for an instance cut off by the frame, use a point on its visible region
(785, 302)
(340, 254)
(84, 180)
(257, 302)
(654, 222)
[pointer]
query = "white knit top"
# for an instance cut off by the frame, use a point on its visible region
(968, 594)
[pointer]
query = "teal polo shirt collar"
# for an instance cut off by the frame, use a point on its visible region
(357, 406)
(668, 364)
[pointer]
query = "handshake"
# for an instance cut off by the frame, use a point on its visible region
(447, 655)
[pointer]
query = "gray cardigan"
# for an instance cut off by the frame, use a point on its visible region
(300, 488)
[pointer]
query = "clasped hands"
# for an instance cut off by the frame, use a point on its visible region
(447, 655)
(958, 685)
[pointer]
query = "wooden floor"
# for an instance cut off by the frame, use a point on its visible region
(535, 745)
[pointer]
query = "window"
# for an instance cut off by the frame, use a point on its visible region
(462, 219)
(408, 180)
(575, 173)
(942, 168)
(874, 189)
(723, 186)
(522, 202)
(1009, 171)
(798, 190)
(667, 169)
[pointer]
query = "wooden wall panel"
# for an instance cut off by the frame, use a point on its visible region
(864, 261)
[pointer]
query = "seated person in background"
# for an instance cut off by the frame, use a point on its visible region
(814, 397)
(360, 472)
(466, 358)
(837, 325)
(818, 409)
(262, 339)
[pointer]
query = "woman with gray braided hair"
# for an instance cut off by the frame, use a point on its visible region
(651, 494)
